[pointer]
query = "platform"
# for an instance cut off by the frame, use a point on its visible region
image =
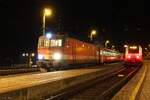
(37, 86)
(138, 88)
(145, 90)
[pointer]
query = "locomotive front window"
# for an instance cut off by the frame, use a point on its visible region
(41, 43)
(133, 51)
(47, 43)
(56, 42)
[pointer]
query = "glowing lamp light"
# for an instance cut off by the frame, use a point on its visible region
(31, 62)
(125, 46)
(49, 35)
(23, 54)
(32, 54)
(57, 56)
(26, 54)
(93, 32)
(146, 49)
(107, 41)
(47, 12)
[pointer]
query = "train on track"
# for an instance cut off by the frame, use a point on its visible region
(133, 55)
(62, 51)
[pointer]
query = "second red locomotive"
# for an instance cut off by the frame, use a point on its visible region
(133, 55)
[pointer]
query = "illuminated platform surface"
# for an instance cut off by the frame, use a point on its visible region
(145, 91)
(138, 87)
(17, 82)
(35, 85)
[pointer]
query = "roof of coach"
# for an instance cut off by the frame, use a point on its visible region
(110, 50)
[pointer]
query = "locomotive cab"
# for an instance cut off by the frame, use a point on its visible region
(133, 55)
(49, 50)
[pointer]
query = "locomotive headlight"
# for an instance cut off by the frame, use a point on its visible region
(40, 57)
(129, 56)
(137, 57)
(57, 56)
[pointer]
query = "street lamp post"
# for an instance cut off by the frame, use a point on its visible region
(46, 12)
(92, 33)
(106, 43)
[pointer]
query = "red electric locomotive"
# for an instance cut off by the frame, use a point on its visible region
(60, 51)
(133, 55)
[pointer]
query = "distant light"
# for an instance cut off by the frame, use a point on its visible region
(145, 48)
(31, 62)
(93, 32)
(49, 35)
(107, 41)
(23, 54)
(32, 54)
(125, 46)
(27, 54)
(113, 46)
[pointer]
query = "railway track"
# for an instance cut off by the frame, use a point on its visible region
(14, 71)
(102, 88)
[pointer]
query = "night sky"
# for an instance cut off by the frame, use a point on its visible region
(119, 21)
